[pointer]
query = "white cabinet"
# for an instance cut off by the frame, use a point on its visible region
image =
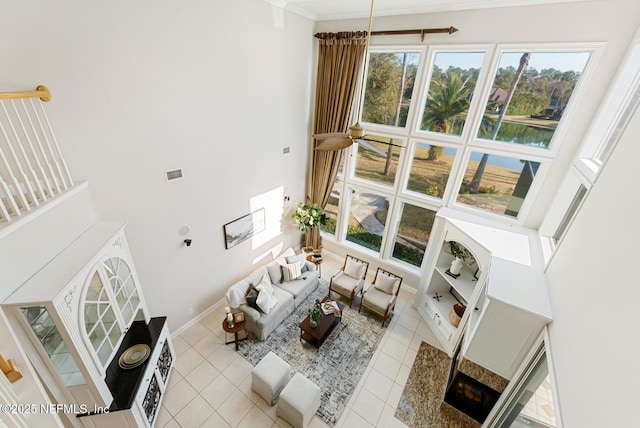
(78, 314)
(504, 291)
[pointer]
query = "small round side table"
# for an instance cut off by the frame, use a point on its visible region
(239, 326)
(317, 262)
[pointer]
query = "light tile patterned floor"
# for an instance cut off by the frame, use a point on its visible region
(210, 385)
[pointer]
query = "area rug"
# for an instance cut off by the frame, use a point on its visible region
(421, 402)
(339, 363)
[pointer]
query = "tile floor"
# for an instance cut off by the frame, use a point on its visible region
(210, 385)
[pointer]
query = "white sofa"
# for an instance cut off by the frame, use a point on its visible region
(289, 294)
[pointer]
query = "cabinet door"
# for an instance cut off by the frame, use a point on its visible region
(151, 397)
(502, 338)
(102, 328)
(123, 287)
(111, 303)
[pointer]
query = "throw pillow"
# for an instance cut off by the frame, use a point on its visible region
(265, 300)
(353, 269)
(291, 271)
(386, 283)
(265, 283)
(275, 272)
(302, 258)
(252, 296)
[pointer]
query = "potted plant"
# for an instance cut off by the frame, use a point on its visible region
(315, 313)
(460, 254)
(307, 216)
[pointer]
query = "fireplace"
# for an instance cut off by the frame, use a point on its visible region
(467, 394)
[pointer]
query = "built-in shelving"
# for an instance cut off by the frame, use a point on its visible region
(502, 286)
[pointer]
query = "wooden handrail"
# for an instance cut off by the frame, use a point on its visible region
(41, 92)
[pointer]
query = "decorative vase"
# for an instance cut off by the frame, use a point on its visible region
(455, 315)
(230, 322)
(313, 323)
(456, 266)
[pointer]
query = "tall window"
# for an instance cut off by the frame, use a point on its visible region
(464, 132)
(389, 89)
(502, 185)
(367, 219)
(453, 82)
(529, 95)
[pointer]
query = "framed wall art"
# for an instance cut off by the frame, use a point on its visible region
(243, 228)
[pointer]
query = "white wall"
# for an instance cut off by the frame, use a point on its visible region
(614, 22)
(594, 293)
(217, 89)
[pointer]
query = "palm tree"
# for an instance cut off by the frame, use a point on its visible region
(474, 186)
(448, 100)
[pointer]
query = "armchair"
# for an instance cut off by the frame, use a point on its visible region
(380, 297)
(349, 280)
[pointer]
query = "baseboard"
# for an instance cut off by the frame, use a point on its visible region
(185, 326)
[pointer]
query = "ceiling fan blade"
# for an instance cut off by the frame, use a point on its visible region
(367, 138)
(334, 144)
(330, 135)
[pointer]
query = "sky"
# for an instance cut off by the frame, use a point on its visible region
(563, 61)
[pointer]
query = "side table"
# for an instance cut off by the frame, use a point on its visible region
(317, 262)
(239, 326)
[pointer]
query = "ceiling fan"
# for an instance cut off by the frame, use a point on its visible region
(333, 141)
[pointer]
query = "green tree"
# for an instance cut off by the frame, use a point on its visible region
(383, 84)
(447, 101)
(474, 186)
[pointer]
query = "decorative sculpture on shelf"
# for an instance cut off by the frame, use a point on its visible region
(460, 254)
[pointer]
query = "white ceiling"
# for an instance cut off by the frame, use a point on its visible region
(321, 10)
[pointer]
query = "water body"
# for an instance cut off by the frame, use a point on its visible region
(512, 133)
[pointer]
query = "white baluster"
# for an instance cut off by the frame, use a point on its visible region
(43, 153)
(24, 188)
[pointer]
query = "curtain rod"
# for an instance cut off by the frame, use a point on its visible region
(362, 34)
(422, 32)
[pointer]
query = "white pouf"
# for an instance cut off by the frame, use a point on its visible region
(299, 401)
(269, 377)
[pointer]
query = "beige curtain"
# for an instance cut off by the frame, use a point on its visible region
(340, 61)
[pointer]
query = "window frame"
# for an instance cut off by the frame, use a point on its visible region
(464, 144)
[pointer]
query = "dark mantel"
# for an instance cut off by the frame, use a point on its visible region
(124, 383)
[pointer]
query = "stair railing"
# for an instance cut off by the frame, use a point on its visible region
(32, 168)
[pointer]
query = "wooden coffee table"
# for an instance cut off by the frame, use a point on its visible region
(326, 324)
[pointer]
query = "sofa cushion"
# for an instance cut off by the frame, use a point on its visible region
(345, 284)
(284, 300)
(354, 269)
(303, 286)
(275, 272)
(265, 283)
(386, 283)
(265, 301)
(255, 276)
(291, 271)
(302, 258)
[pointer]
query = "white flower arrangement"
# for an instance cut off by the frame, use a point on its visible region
(308, 216)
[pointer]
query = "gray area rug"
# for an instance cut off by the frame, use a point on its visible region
(339, 364)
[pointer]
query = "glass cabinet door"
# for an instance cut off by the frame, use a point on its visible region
(53, 344)
(110, 305)
(123, 287)
(100, 321)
